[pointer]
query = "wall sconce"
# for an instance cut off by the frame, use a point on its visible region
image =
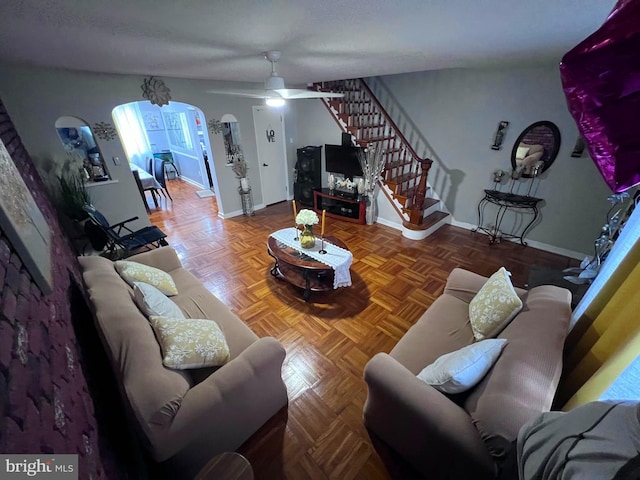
(497, 141)
(579, 148)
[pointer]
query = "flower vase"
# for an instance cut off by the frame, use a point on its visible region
(371, 211)
(244, 184)
(307, 238)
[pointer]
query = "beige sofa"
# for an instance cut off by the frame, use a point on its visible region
(464, 435)
(184, 417)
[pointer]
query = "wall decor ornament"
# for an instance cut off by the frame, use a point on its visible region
(499, 137)
(104, 131)
(155, 90)
(214, 126)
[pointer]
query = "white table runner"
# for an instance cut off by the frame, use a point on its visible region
(337, 258)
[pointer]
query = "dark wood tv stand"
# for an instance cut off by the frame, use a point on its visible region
(343, 206)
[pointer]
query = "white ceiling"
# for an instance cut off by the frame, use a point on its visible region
(320, 40)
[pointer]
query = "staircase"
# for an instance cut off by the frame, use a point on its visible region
(404, 180)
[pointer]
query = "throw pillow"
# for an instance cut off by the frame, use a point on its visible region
(494, 306)
(458, 371)
(190, 343)
(136, 272)
(153, 302)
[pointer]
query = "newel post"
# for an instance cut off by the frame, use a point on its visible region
(417, 206)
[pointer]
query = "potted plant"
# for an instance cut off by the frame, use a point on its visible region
(240, 168)
(72, 196)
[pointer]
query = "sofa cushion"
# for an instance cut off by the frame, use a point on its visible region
(190, 343)
(136, 272)
(494, 305)
(443, 328)
(458, 371)
(153, 302)
(196, 301)
(523, 381)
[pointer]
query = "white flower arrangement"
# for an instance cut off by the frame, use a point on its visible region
(307, 217)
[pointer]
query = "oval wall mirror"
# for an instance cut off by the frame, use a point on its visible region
(535, 149)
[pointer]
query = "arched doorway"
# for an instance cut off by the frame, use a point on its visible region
(176, 131)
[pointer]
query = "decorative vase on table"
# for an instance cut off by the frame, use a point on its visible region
(307, 218)
(307, 238)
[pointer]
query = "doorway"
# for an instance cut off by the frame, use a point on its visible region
(272, 154)
(175, 131)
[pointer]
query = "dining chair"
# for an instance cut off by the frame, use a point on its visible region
(136, 176)
(159, 174)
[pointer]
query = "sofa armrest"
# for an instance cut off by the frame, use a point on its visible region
(164, 258)
(222, 411)
(430, 431)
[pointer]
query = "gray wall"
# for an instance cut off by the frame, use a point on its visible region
(36, 97)
(452, 115)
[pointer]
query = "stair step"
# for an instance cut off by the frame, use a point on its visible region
(401, 179)
(397, 163)
(364, 141)
(427, 222)
(432, 219)
(405, 195)
(354, 128)
(356, 115)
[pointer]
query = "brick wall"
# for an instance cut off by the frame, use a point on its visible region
(45, 403)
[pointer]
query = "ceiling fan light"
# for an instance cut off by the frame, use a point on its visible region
(275, 102)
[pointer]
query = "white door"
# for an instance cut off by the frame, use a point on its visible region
(272, 156)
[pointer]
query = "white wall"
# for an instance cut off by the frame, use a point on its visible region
(454, 115)
(36, 97)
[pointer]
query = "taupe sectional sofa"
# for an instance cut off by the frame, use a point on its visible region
(463, 436)
(184, 417)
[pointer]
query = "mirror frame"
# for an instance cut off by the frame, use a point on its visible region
(552, 155)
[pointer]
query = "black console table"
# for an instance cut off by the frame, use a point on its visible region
(506, 201)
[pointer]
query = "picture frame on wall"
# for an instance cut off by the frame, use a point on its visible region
(23, 223)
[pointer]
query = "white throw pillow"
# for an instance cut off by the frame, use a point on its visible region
(153, 302)
(458, 371)
(137, 272)
(494, 306)
(190, 342)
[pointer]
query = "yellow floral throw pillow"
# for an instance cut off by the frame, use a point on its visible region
(190, 343)
(137, 272)
(494, 306)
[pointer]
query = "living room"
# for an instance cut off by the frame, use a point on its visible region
(456, 111)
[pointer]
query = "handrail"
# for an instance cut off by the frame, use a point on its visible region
(392, 123)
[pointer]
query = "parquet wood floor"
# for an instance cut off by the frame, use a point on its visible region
(330, 339)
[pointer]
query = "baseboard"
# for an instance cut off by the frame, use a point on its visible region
(532, 243)
(238, 213)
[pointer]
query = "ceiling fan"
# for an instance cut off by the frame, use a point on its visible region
(275, 93)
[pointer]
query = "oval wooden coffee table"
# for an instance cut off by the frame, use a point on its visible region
(302, 270)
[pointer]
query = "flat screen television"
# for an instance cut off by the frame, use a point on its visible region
(343, 160)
